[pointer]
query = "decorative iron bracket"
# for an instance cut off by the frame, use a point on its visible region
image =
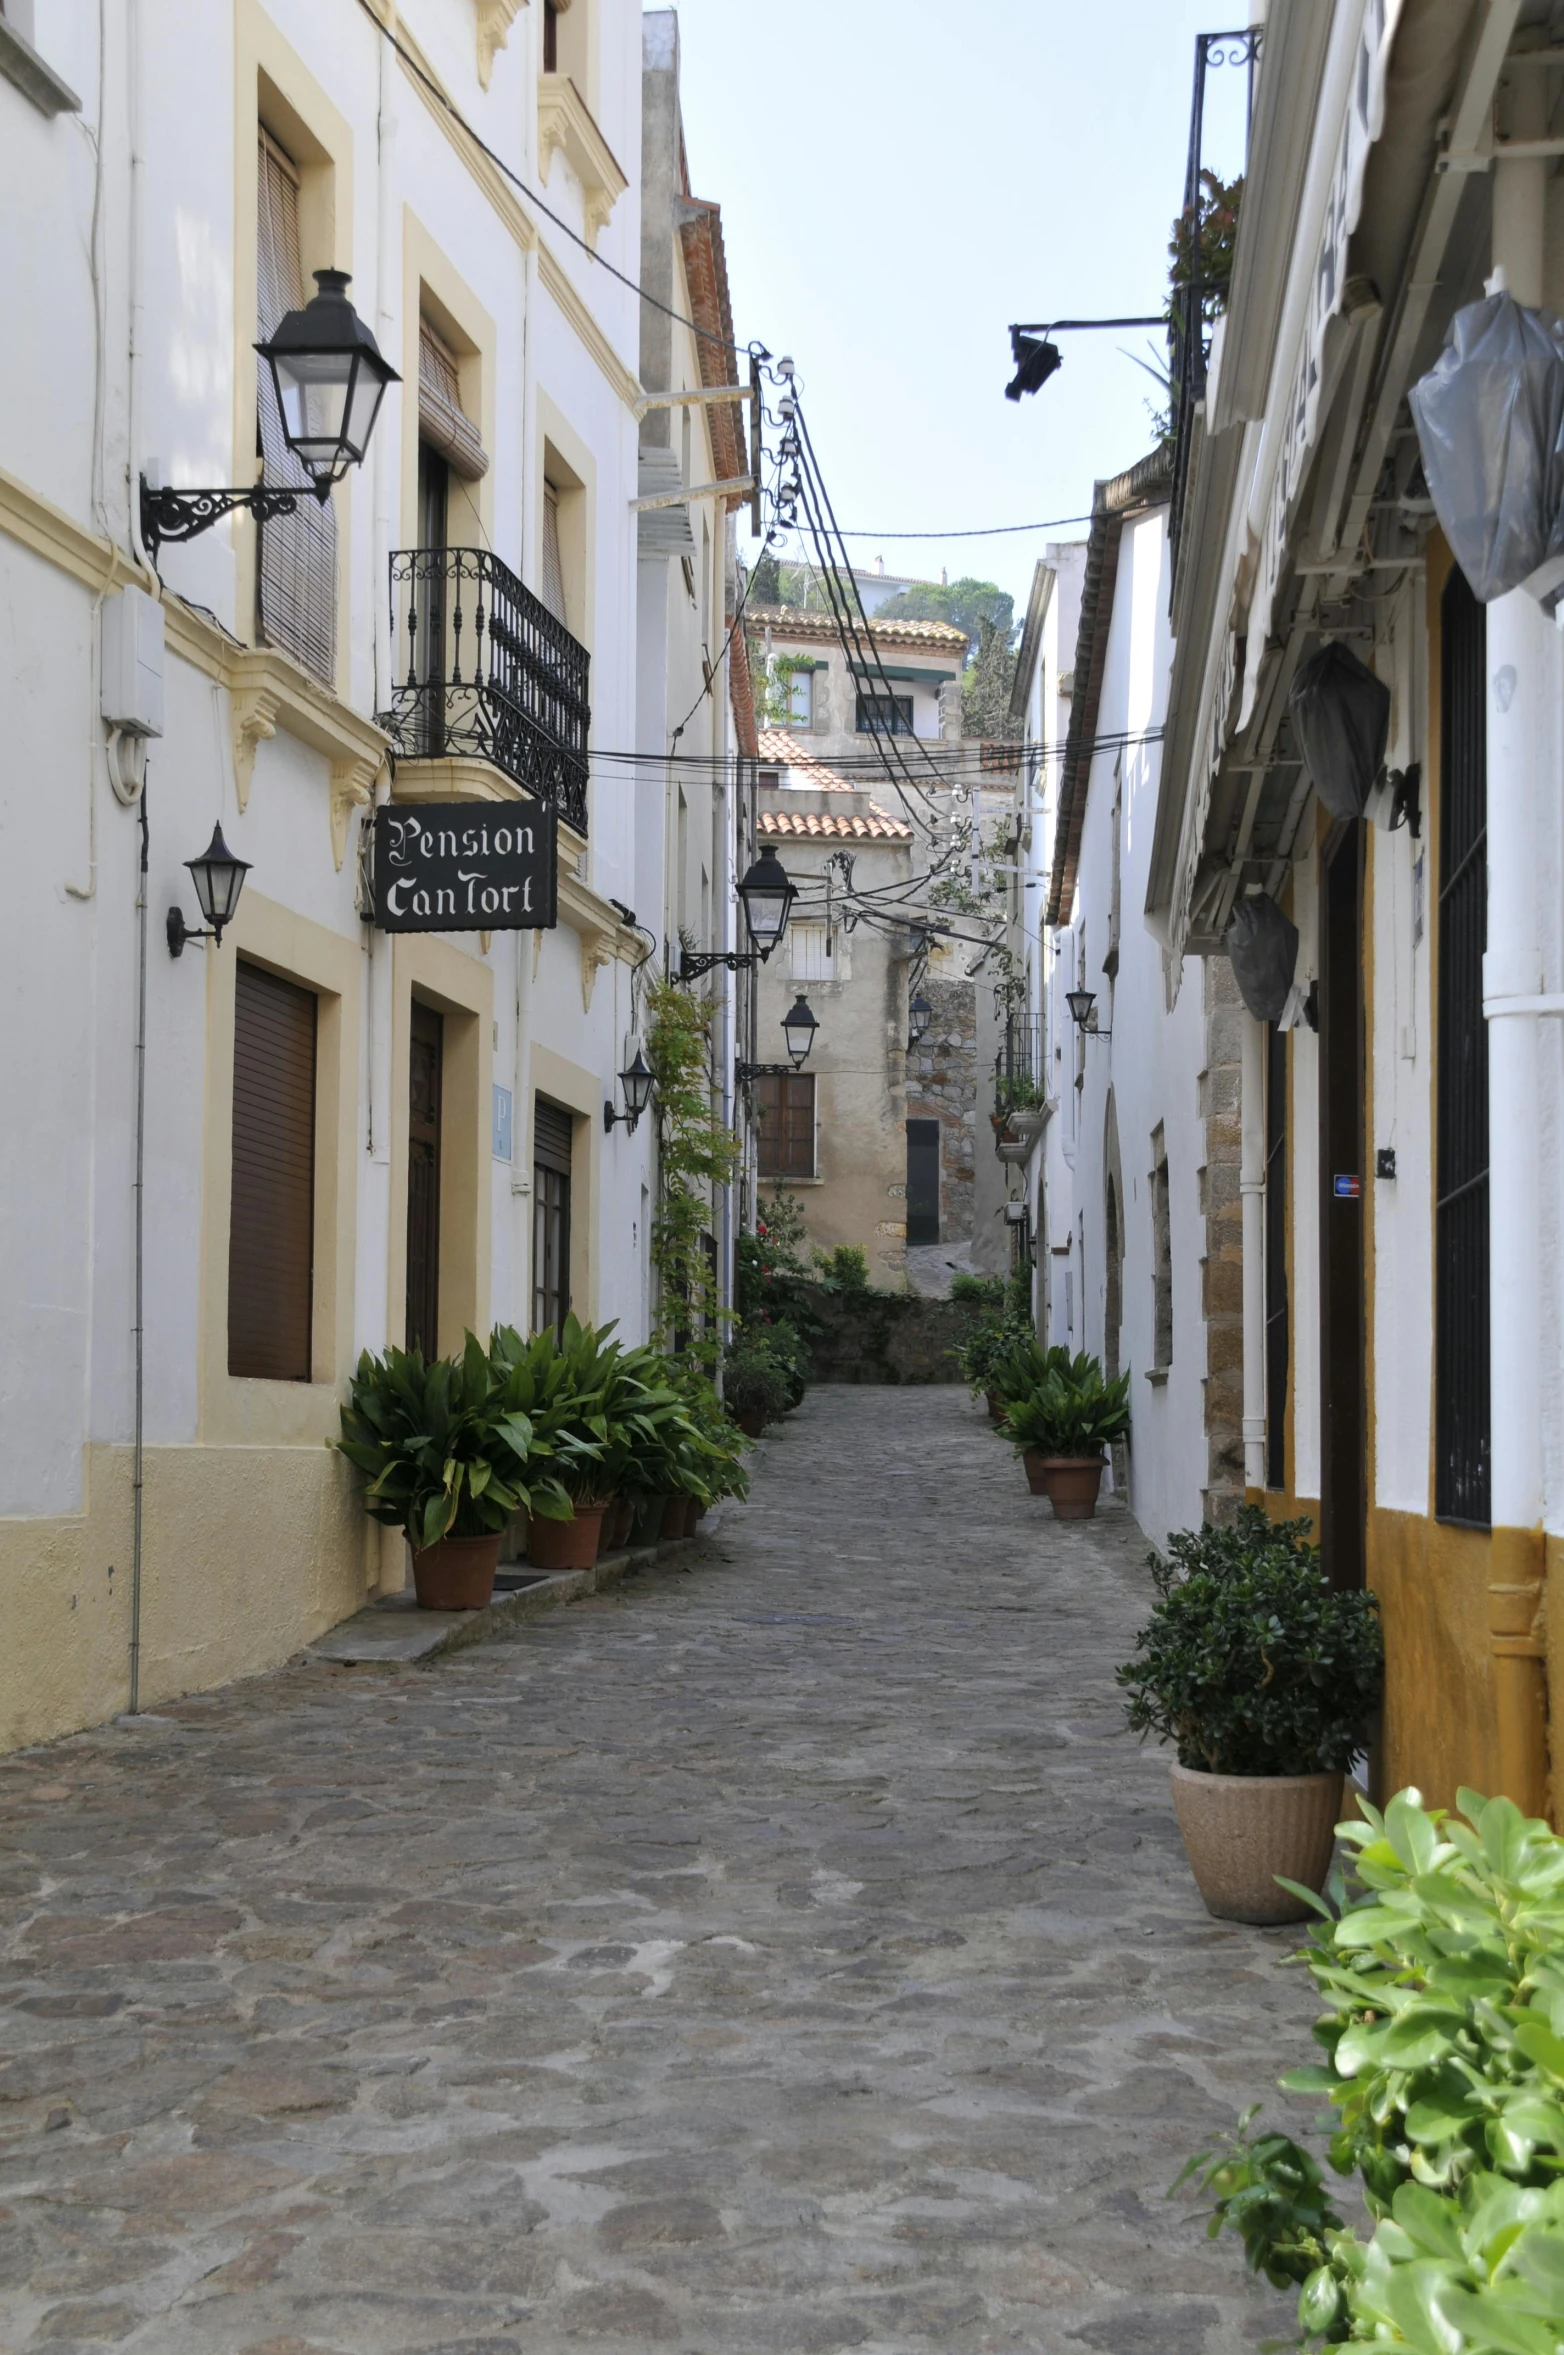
(694, 964)
(743, 1073)
(169, 515)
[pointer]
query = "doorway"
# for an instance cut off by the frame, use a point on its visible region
(1343, 1402)
(426, 1055)
(553, 1134)
(923, 1181)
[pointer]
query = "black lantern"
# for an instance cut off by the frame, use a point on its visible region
(798, 1028)
(330, 381)
(218, 878)
(768, 899)
(636, 1083)
(1080, 1003)
(919, 1015)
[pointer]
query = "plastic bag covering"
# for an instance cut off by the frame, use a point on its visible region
(1489, 415)
(1341, 716)
(1263, 947)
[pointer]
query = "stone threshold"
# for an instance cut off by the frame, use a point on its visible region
(392, 1632)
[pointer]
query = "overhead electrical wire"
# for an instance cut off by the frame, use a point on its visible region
(986, 531)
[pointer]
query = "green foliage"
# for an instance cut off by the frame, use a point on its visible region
(988, 1291)
(846, 1269)
(1271, 2193)
(696, 1152)
(765, 582)
(1018, 1091)
(1071, 1409)
(966, 604)
(1251, 1663)
(602, 1402)
(1205, 239)
(774, 687)
(447, 1450)
(981, 1357)
(1443, 1979)
(985, 688)
(1019, 1294)
(755, 1379)
(775, 1291)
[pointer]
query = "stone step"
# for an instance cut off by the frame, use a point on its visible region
(392, 1632)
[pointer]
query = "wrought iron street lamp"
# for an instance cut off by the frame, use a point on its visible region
(636, 1083)
(1081, 1003)
(766, 895)
(798, 1028)
(219, 878)
(919, 1015)
(330, 379)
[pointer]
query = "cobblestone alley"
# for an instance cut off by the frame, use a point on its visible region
(790, 1954)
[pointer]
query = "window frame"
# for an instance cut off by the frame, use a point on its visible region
(789, 1093)
(901, 705)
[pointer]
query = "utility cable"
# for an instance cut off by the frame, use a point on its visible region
(987, 531)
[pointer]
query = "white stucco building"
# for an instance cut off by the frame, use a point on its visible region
(322, 1137)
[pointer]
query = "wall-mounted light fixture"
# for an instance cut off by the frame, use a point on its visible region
(919, 1015)
(636, 1083)
(330, 380)
(219, 878)
(1081, 1003)
(799, 1025)
(766, 895)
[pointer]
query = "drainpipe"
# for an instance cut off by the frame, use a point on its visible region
(1251, 1187)
(1523, 728)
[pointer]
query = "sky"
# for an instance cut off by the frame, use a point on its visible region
(899, 180)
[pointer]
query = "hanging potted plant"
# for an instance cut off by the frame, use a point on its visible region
(1265, 1680)
(1061, 1423)
(448, 1460)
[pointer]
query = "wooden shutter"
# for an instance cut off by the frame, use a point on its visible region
(296, 584)
(553, 1131)
(785, 1106)
(442, 421)
(271, 1232)
(553, 569)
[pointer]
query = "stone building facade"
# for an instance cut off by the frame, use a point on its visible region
(941, 1085)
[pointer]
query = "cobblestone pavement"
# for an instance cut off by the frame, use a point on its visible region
(790, 1955)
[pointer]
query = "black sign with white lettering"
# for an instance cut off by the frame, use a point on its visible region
(465, 866)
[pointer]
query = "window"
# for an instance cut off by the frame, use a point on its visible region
(553, 590)
(923, 1181)
(296, 577)
(812, 948)
(884, 715)
(553, 1130)
(443, 423)
(785, 1110)
(1161, 1253)
(425, 1094)
(1276, 1329)
(1461, 1347)
(801, 698)
(271, 1231)
(551, 36)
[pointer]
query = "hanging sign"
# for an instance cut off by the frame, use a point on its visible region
(466, 866)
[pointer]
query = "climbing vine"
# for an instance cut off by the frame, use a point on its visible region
(696, 1153)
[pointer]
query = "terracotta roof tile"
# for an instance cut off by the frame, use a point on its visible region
(812, 825)
(936, 636)
(781, 750)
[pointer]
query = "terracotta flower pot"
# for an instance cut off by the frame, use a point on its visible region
(751, 1420)
(566, 1545)
(1070, 1484)
(617, 1518)
(1241, 1830)
(1037, 1475)
(457, 1574)
(647, 1526)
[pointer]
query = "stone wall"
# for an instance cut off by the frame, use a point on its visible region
(942, 1086)
(1221, 1207)
(888, 1337)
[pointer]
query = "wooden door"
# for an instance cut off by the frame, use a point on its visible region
(553, 1133)
(425, 1055)
(923, 1181)
(1343, 1402)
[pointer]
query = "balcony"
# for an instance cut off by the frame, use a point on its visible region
(482, 670)
(1021, 1105)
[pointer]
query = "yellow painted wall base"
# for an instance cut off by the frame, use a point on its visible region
(1441, 1719)
(248, 1553)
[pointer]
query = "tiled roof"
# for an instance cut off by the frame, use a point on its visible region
(935, 636)
(780, 750)
(878, 828)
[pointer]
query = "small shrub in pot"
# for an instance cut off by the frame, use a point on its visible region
(1264, 1678)
(1061, 1420)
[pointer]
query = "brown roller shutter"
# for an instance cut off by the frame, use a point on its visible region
(271, 1234)
(442, 421)
(297, 582)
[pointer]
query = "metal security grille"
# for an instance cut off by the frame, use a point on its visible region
(1276, 1327)
(1461, 1353)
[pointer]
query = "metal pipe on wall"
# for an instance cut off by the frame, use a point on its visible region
(1251, 1187)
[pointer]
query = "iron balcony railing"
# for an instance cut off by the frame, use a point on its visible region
(1018, 1067)
(481, 667)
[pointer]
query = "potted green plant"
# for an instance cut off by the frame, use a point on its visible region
(1265, 1679)
(1443, 2064)
(446, 1456)
(1061, 1423)
(981, 1356)
(561, 1383)
(755, 1385)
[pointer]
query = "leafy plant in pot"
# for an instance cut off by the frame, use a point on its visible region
(446, 1457)
(1265, 1680)
(1062, 1425)
(755, 1385)
(566, 1385)
(989, 1350)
